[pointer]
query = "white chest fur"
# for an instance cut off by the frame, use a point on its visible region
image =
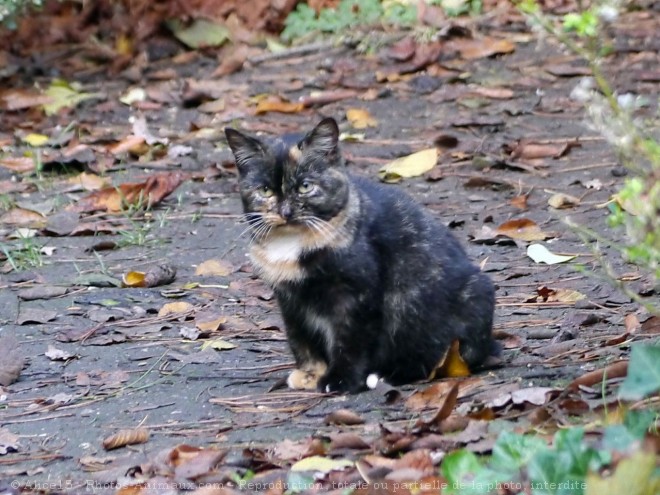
(276, 258)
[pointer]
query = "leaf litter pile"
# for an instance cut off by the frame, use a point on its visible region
(137, 346)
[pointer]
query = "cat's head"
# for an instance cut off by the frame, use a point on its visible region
(298, 183)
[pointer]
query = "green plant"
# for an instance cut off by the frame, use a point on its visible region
(137, 236)
(636, 208)
(349, 14)
(455, 8)
(9, 9)
(24, 254)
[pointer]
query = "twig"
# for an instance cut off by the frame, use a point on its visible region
(294, 51)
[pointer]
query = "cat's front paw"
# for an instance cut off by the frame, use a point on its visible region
(333, 383)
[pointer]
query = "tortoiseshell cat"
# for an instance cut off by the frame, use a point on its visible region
(367, 281)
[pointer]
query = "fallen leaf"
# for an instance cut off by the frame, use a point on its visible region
(208, 321)
(55, 354)
(133, 95)
(126, 437)
(11, 360)
(146, 194)
(529, 150)
(561, 201)
(541, 254)
(532, 395)
(522, 229)
(432, 396)
(447, 406)
(471, 49)
(218, 345)
(24, 218)
(9, 442)
(21, 164)
(200, 33)
(175, 308)
(35, 315)
(88, 182)
(36, 140)
(321, 464)
(343, 417)
(161, 274)
(278, 105)
(632, 323)
(214, 267)
(41, 292)
(62, 95)
(451, 365)
(618, 369)
(632, 476)
(559, 295)
(651, 326)
(409, 166)
(20, 99)
(520, 201)
(360, 118)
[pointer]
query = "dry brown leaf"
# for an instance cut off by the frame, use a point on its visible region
(528, 150)
(494, 93)
(215, 268)
(343, 417)
(89, 182)
(519, 202)
(618, 369)
(147, 194)
(20, 99)
(209, 321)
(360, 118)
(130, 144)
(346, 440)
(277, 105)
(126, 437)
(522, 229)
(632, 323)
(471, 49)
(20, 164)
(11, 360)
(24, 218)
(651, 326)
(432, 396)
(175, 308)
(547, 294)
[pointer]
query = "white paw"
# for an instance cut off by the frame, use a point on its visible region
(372, 381)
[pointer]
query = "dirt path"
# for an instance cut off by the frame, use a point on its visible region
(124, 366)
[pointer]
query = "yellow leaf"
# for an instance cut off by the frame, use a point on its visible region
(218, 345)
(174, 308)
(133, 279)
(409, 166)
(62, 95)
(190, 285)
(321, 464)
(35, 140)
(124, 45)
(452, 364)
(213, 267)
(632, 476)
(360, 118)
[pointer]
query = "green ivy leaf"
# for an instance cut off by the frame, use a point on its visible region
(643, 373)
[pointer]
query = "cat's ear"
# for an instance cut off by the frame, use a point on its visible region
(324, 138)
(245, 148)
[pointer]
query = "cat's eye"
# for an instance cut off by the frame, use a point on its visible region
(305, 187)
(265, 191)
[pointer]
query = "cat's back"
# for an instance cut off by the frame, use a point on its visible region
(404, 229)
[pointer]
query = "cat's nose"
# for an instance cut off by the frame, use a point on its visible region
(285, 211)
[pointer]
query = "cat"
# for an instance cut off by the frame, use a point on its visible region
(370, 286)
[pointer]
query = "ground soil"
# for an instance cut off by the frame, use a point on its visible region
(130, 367)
